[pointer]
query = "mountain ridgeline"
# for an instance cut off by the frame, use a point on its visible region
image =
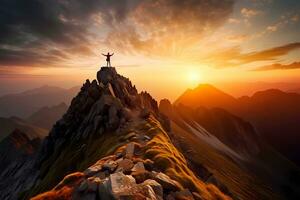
(116, 143)
(274, 113)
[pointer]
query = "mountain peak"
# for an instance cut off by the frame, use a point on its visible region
(205, 95)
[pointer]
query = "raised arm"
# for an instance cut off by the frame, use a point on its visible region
(112, 54)
(103, 54)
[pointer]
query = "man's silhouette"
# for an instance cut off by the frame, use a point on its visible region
(108, 58)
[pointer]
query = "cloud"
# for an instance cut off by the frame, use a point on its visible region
(41, 32)
(234, 57)
(234, 21)
(278, 66)
(168, 27)
(248, 13)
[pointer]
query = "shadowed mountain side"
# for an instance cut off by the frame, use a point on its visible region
(273, 113)
(47, 116)
(24, 104)
(8, 125)
(225, 150)
(17, 147)
(229, 129)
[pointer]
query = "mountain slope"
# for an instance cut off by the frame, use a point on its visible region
(8, 125)
(273, 113)
(25, 103)
(276, 116)
(111, 140)
(47, 116)
(225, 150)
(17, 145)
(206, 95)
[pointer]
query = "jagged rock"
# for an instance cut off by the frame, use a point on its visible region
(157, 188)
(94, 90)
(138, 167)
(104, 190)
(145, 113)
(109, 90)
(110, 165)
(125, 165)
(102, 175)
(106, 75)
(121, 184)
(93, 183)
(141, 176)
(166, 182)
(150, 193)
(89, 185)
(93, 170)
(130, 150)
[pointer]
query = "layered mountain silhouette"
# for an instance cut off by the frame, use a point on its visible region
(114, 142)
(8, 125)
(274, 113)
(46, 116)
(26, 103)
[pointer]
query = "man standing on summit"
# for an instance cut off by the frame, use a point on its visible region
(108, 58)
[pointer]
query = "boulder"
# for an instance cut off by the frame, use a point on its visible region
(125, 165)
(106, 75)
(93, 170)
(166, 182)
(139, 166)
(121, 184)
(142, 175)
(104, 190)
(157, 188)
(110, 165)
(130, 150)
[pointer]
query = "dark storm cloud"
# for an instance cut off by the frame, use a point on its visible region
(37, 32)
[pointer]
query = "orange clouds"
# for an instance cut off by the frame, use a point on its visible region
(278, 66)
(233, 56)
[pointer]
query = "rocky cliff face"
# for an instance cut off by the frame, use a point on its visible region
(113, 144)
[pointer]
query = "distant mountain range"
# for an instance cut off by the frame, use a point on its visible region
(26, 103)
(274, 113)
(46, 116)
(8, 125)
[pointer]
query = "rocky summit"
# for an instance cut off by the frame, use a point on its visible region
(112, 143)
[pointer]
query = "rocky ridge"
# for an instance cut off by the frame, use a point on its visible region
(113, 144)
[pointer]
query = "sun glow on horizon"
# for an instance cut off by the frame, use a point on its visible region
(194, 77)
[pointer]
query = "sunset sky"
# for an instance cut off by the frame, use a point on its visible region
(163, 46)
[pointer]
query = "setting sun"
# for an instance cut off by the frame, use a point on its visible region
(194, 77)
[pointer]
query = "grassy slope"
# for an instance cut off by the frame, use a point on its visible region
(165, 156)
(241, 182)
